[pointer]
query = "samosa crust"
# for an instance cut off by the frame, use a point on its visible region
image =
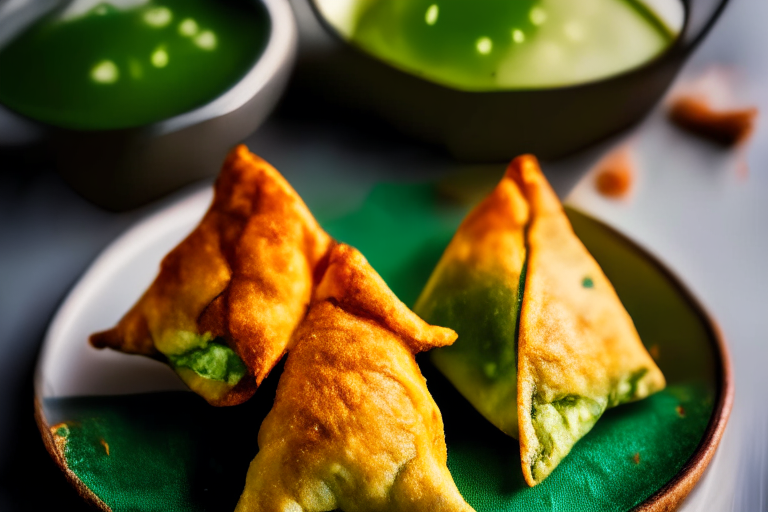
(353, 427)
(241, 281)
(475, 290)
(578, 350)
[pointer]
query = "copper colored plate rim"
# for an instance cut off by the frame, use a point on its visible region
(45, 431)
(666, 499)
(672, 494)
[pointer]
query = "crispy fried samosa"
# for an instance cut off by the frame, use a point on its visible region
(475, 290)
(353, 427)
(227, 299)
(545, 345)
(578, 350)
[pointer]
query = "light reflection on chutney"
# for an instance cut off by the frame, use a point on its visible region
(504, 44)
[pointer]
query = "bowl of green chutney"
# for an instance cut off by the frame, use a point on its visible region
(140, 97)
(490, 79)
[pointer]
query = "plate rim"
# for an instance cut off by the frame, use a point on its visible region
(671, 495)
(668, 498)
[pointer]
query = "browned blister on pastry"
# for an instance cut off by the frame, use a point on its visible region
(228, 298)
(353, 426)
(578, 350)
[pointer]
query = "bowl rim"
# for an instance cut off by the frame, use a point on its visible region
(679, 49)
(665, 499)
(279, 50)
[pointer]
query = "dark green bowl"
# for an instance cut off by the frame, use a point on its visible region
(490, 126)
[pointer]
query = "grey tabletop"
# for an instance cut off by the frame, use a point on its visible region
(695, 206)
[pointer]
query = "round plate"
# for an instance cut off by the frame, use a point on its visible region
(130, 437)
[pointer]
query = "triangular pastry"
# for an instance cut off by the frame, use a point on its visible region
(545, 345)
(578, 350)
(227, 299)
(353, 427)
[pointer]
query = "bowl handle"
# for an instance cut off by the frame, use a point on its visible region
(701, 16)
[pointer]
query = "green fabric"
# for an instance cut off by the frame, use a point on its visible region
(171, 451)
(97, 425)
(628, 455)
(403, 231)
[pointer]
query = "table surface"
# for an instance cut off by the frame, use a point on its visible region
(695, 206)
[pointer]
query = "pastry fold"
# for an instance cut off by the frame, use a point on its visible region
(578, 350)
(545, 345)
(227, 299)
(353, 427)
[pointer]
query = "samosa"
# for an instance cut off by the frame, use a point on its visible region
(353, 426)
(228, 298)
(549, 313)
(475, 290)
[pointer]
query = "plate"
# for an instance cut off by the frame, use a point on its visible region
(130, 437)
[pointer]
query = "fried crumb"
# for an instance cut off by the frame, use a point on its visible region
(105, 445)
(727, 126)
(615, 174)
(712, 106)
(636, 458)
(655, 352)
(742, 168)
(680, 411)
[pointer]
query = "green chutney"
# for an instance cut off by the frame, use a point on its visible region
(485, 45)
(112, 67)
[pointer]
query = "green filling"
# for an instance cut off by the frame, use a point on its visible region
(628, 390)
(561, 423)
(213, 361)
(558, 425)
(482, 363)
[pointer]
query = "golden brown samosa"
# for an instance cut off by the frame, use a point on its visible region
(353, 427)
(578, 350)
(545, 345)
(228, 298)
(475, 290)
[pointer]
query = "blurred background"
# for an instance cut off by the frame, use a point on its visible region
(669, 148)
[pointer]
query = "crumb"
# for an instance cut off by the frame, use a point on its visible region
(636, 458)
(680, 411)
(654, 351)
(742, 168)
(105, 445)
(615, 174)
(727, 127)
